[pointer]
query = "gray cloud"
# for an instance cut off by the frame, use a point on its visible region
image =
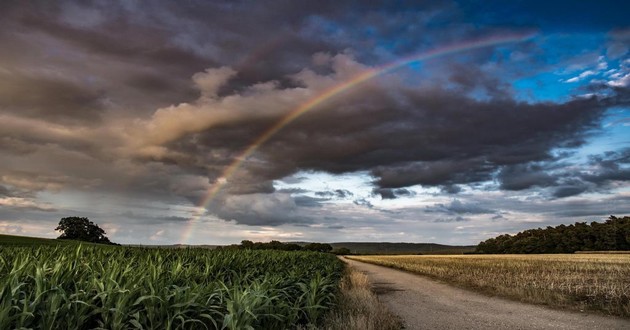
(264, 209)
(152, 219)
(524, 176)
(307, 201)
(602, 172)
(451, 189)
(458, 207)
(570, 190)
(337, 193)
(293, 190)
(52, 99)
(499, 217)
(453, 219)
(388, 193)
(363, 202)
(156, 101)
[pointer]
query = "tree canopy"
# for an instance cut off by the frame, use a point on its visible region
(612, 235)
(277, 245)
(81, 229)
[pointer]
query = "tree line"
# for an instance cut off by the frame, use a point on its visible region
(611, 235)
(277, 245)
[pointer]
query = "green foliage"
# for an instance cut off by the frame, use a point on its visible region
(87, 287)
(273, 245)
(612, 235)
(341, 251)
(320, 247)
(81, 229)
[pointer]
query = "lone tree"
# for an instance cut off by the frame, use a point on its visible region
(81, 229)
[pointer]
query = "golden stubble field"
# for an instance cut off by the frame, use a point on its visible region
(596, 282)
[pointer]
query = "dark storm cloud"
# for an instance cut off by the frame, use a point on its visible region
(343, 193)
(404, 192)
(337, 193)
(449, 139)
(71, 60)
(98, 96)
(570, 190)
(435, 136)
(601, 172)
(451, 189)
(264, 209)
(47, 98)
(612, 166)
(524, 176)
(293, 190)
(388, 193)
(385, 193)
(458, 207)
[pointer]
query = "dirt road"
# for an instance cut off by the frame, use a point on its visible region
(427, 304)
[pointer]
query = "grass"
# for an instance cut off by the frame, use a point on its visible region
(11, 240)
(594, 282)
(89, 286)
(358, 307)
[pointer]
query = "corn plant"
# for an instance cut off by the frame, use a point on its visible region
(93, 287)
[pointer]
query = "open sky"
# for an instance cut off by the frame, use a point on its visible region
(210, 122)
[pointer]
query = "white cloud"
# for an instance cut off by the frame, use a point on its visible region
(581, 76)
(623, 81)
(25, 203)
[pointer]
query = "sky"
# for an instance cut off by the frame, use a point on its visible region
(211, 122)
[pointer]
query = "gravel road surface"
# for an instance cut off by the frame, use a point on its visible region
(428, 304)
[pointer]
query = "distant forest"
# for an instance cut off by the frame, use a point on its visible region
(612, 235)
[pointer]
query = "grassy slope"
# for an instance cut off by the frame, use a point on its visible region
(27, 241)
(355, 247)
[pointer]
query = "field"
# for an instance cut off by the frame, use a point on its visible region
(11, 240)
(578, 281)
(86, 287)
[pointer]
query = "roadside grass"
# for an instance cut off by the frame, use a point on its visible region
(358, 308)
(593, 282)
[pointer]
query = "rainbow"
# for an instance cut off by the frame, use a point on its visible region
(334, 91)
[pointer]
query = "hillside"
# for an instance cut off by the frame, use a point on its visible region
(25, 240)
(399, 248)
(354, 247)
(11, 240)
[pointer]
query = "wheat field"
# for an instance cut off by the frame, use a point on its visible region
(594, 282)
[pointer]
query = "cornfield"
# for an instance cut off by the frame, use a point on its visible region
(88, 287)
(576, 281)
